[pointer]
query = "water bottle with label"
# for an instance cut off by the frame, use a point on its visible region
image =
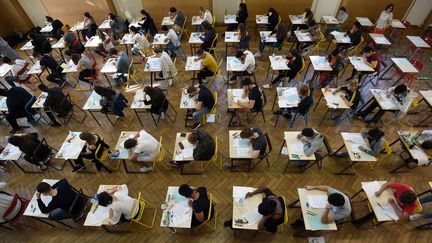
(94, 199)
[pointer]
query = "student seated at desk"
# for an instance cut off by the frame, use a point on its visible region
(206, 15)
(121, 205)
(56, 25)
(140, 42)
(255, 104)
(281, 35)
(168, 69)
(241, 17)
(314, 32)
(295, 62)
(199, 201)
(148, 26)
(16, 100)
(178, 18)
(258, 141)
(338, 207)
(341, 16)
(105, 45)
(336, 61)
(85, 66)
(6, 50)
(55, 102)
(63, 195)
(403, 97)
(142, 148)
(306, 101)
(93, 141)
(209, 37)
(273, 19)
(374, 139)
(27, 144)
(19, 71)
(122, 65)
(111, 101)
(405, 205)
(248, 65)
(46, 61)
(117, 24)
(384, 20)
(354, 35)
(158, 101)
(306, 16)
(90, 26)
(172, 40)
(350, 94)
(272, 208)
(313, 142)
(41, 43)
(208, 67)
(71, 42)
(425, 146)
(204, 147)
(204, 102)
(244, 37)
(370, 58)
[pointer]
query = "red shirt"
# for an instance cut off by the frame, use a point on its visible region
(398, 190)
(375, 58)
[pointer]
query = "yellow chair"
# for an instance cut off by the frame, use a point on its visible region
(210, 222)
(216, 73)
(132, 72)
(161, 155)
(214, 20)
(213, 111)
(285, 222)
(355, 50)
(419, 207)
(101, 154)
(142, 203)
(184, 30)
(213, 45)
(388, 152)
(318, 44)
(414, 104)
(279, 20)
(299, 74)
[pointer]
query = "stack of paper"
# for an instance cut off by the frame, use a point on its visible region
(317, 201)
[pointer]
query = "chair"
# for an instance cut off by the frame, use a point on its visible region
(209, 216)
(346, 220)
(212, 49)
(131, 75)
(15, 221)
(279, 20)
(388, 152)
(70, 114)
(213, 111)
(166, 113)
(414, 104)
(265, 156)
(264, 101)
(278, 47)
(101, 154)
(299, 74)
(409, 77)
(217, 73)
(139, 211)
(184, 30)
(79, 205)
(317, 46)
(93, 78)
(205, 163)
(284, 206)
(214, 20)
(305, 116)
(354, 50)
(30, 113)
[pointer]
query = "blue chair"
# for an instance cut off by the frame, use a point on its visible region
(31, 113)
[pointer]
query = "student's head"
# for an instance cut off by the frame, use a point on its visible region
(133, 29)
(206, 25)
(193, 138)
(143, 13)
(267, 207)
(17, 141)
(336, 52)
(356, 26)
(65, 28)
(43, 87)
(247, 82)
(308, 132)
(157, 49)
(336, 199)
(271, 11)
(352, 85)
(389, 8)
(246, 132)
(172, 11)
(243, 7)
(104, 199)
(150, 91)
(113, 52)
(192, 90)
(87, 15)
(407, 197)
(129, 143)
(7, 60)
(88, 137)
(240, 55)
(311, 23)
(304, 90)
(401, 89)
(32, 36)
(368, 51)
(111, 16)
(75, 58)
(49, 19)
(375, 134)
(200, 53)
(43, 188)
(426, 145)
(104, 92)
(185, 190)
(343, 9)
(309, 13)
(201, 10)
(4, 92)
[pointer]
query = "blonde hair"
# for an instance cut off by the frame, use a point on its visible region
(354, 83)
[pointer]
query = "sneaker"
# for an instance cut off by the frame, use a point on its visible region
(162, 116)
(173, 163)
(415, 217)
(55, 124)
(204, 80)
(267, 86)
(258, 54)
(146, 169)
(42, 166)
(227, 165)
(196, 126)
(189, 117)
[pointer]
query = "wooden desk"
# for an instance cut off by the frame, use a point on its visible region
(167, 21)
(105, 24)
(246, 209)
(239, 149)
(193, 66)
(427, 97)
(195, 41)
(333, 101)
(186, 154)
(365, 22)
(230, 19)
(188, 103)
(319, 64)
(235, 95)
(138, 105)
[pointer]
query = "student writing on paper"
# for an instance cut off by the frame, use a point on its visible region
(48, 62)
(105, 45)
(27, 144)
(117, 24)
(281, 35)
(338, 206)
(209, 37)
(204, 146)
(341, 16)
(350, 94)
(139, 41)
(85, 67)
(303, 107)
(178, 17)
(208, 67)
(148, 26)
(354, 35)
(241, 17)
(257, 140)
(158, 101)
(425, 145)
(199, 201)
(336, 61)
(374, 139)
(371, 58)
(56, 25)
(142, 148)
(63, 195)
(122, 64)
(252, 91)
(203, 104)
(272, 208)
(40, 43)
(206, 15)
(244, 37)
(248, 65)
(19, 71)
(122, 206)
(172, 40)
(313, 142)
(295, 63)
(406, 203)
(16, 100)
(168, 69)
(55, 102)
(93, 142)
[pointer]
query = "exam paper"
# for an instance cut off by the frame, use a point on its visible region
(253, 216)
(97, 217)
(317, 201)
(371, 187)
(240, 191)
(180, 212)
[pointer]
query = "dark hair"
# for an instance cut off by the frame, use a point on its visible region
(427, 144)
(267, 207)
(272, 10)
(88, 137)
(357, 24)
(143, 12)
(172, 10)
(243, 7)
(88, 15)
(309, 13)
(112, 16)
(401, 88)
(164, 28)
(4, 92)
(104, 199)
(336, 199)
(43, 87)
(407, 197)
(113, 51)
(36, 53)
(49, 19)
(375, 133)
(368, 49)
(191, 89)
(294, 52)
(246, 132)
(134, 29)
(206, 25)
(239, 54)
(307, 132)
(75, 58)
(343, 9)
(311, 22)
(6, 59)
(105, 92)
(185, 190)
(157, 49)
(43, 187)
(200, 52)
(390, 5)
(246, 81)
(335, 52)
(304, 90)
(130, 143)
(193, 138)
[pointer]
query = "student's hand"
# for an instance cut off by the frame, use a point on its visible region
(328, 206)
(238, 102)
(391, 201)
(249, 194)
(334, 92)
(190, 202)
(37, 195)
(303, 140)
(116, 152)
(361, 148)
(308, 187)
(418, 144)
(299, 136)
(378, 193)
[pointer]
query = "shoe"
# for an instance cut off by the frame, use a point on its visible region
(287, 115)
(228, 223)
(2, 185)
(415, 217)
(55, 124)
(189, 117)
(162, 116)
(146, 169)
(227, 165)
(196, 126)
(42, 166)
(15, 130)
(267, 86)
(335, 116)
(357, 116)
(235, 123)
(258, 54)
(173, 163)
(277, 113)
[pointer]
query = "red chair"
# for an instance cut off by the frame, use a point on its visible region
(420, 51)
(15, 220)
(409, 77)
(406, 23)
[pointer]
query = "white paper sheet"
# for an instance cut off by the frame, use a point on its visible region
(420, 156)
(297, 148)
(188, 152)
(354, 138)
(243, 152)
(387, 104)
(237, 92)
(46, 199)
(355, 148)
(253, 216)
(284, 151)
(97, 217)
(317, 201)
(71, 150)
(180, 212)
(240, 191)
(371, 187)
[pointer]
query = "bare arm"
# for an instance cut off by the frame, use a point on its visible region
(320, 188)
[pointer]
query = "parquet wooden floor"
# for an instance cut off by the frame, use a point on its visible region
(153, 185)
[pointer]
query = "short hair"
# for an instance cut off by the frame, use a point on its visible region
(427, 144)
(375, 133)
(172, 10)
(157, 49)
(185, 190)
(357, 24)
(113, 51)
(143, 12)
(104, 91)
(336, 199)
(193, 138)
(407, 197)
(200, 52)
(104, 199)
(133, 29)
(130, 143)
(191, 89)
(390, 5)
(239, 54)
(87, 14)
(304, 90)
(6, 59)
(86, 136)
(36, 54)
(75, 58)
(307, 132)
(112, 16)
(206, 25)
(311, 22)
(368, 49)
(401, 88)
(267, 207)
(49, 19)
(43, 187)
(43, 87)
(343, 9)
(246, 132)
(164, 28)
(246, 81)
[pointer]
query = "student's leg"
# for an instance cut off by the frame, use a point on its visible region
(59, 214)
(84, 74)
(50, 116)
(280, 76)
(377, 116)
(199, 113)
(368, 110)
(12, 121)
(204, 74)
(261, 46)
(10, 80)
(426, 199)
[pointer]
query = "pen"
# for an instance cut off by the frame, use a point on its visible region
(311, 214)
(97, 205)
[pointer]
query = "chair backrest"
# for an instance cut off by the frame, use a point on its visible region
(269, 144)
(161, 151)
(102, 152)
(327, 145)
(215, 97)
(79, 203)
(213, 45)
(41, 145)
(406, 23)
(387, 148)
(419, 207)
(284, 206)
(214, 158)
(428, 41)
(138, 209)
(214, 20)
(418, 64)
(208, 218)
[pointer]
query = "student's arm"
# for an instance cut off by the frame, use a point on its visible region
(248, 105)
(257, 191)
(383, 188)
(402, 215)
(327, 216)
(133, 156)
(372, 64)
(200, 216)
(308, 151)
(114, 216)
(319, 188)
(255, 154)
(336, 90)
(41, 205)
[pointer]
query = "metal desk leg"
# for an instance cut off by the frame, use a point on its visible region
(346, 168)
(322, 119)
(293, 204)
(319, 99)
(91, 113)
(139, 119)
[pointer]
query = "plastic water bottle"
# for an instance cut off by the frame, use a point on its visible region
(94, 199)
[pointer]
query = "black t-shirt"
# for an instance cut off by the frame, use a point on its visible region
(352, 96)
(202, 204)
(255, 94)
(260, 143)
(271, 224)
(355, 37)
(49, 62)
(64, 198)
(206, 97)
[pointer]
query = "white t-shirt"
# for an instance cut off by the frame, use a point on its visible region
(147, 147)
(167, 66)
(123, 205)
(384, 19)
(17, 68)
(173, 37)
(208, 17)
(249, 63)
(140, 41)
